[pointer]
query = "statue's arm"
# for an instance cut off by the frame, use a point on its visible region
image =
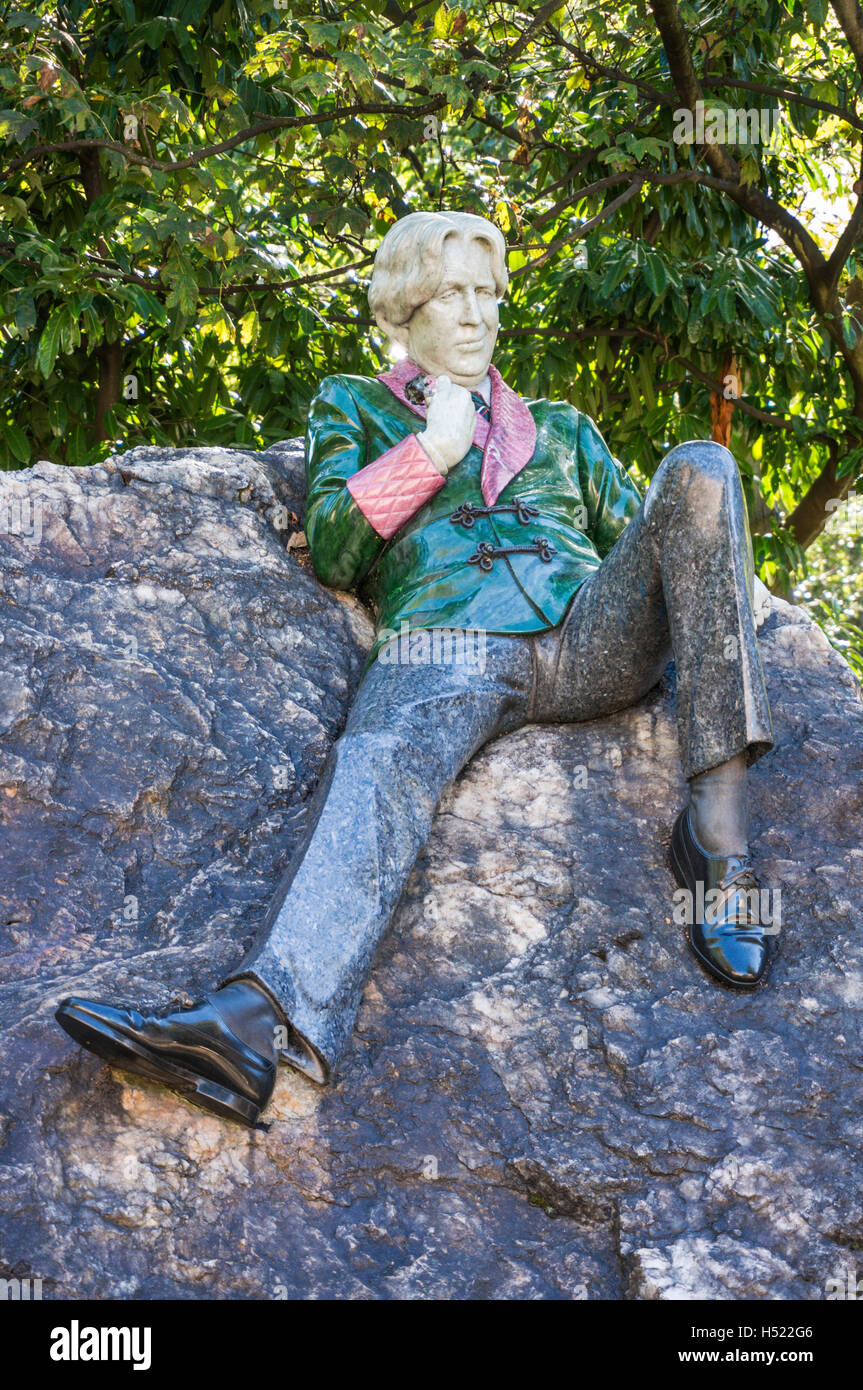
(610, 495)
(355, 504)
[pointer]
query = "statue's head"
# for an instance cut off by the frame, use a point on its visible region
(435, 288)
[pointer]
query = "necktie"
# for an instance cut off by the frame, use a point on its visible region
(481, 407)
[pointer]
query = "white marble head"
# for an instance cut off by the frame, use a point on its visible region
(435, 288)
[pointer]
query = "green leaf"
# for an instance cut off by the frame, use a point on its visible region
(145, 303)
(76, 444)
(416, 69)
(14, 208)
(318, 84)
(49, 343)
(16, 439)
(654, 274)
(25, 314)
(16, 127)
(184, 293)
(646, 378)
(357, 68)
(214, 320)
(443, 21)
(23, 19)
(726, 304)
(59, 417)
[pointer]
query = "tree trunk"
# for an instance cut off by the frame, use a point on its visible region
(110, 360)
(109, 355)
(722, 406)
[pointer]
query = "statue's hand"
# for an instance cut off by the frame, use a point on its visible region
(763, 601)
(450, 425)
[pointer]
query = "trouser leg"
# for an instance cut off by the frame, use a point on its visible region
(410, 732)
(719, 808)
(678, 582)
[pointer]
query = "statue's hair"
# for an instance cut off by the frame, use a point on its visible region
(409, 261)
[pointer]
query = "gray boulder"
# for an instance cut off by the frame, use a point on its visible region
(544, 1098)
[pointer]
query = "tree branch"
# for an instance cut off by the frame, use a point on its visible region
(850, 17)
(763, 208)
(619, 74)
(811, 513)
(584, 227)
(765, 417)
(828, 107)
(336, 113)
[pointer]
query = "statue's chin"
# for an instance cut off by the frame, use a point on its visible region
(470, 383)
(459, 377)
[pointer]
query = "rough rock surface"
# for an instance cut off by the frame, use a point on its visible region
(545, 1098)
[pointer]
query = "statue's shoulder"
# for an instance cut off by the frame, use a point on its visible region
(557, 416)
(363, 389)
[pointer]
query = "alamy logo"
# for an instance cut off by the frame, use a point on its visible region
(844, 1286)
(76, 1343)
(727, 125)
(756, 907)
(19, 516)
(439, 646)
(21, 1290)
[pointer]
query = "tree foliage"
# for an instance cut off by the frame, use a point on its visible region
(191, 196)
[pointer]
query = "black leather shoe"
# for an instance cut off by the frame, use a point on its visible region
(737, 952)
(194, 1051)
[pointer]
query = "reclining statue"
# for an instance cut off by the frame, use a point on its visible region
(460, 510)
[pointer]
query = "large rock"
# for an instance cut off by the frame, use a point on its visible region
(545, 1098)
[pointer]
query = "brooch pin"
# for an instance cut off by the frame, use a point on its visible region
(419, 390)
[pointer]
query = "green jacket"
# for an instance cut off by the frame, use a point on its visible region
(423, 575)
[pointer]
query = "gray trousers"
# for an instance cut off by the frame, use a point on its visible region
(677, 583)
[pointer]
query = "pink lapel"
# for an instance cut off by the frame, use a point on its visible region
(507, 444)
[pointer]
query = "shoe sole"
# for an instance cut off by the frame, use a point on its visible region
(706, 965)
(119, 1051)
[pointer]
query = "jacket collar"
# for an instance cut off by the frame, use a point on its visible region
(507, 443)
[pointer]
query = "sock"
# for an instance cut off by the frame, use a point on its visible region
(719, 808)
(250, 1013)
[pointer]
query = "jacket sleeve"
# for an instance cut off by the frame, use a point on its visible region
(610, 495)
(355, 505)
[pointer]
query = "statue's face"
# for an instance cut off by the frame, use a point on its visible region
(455, 331)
